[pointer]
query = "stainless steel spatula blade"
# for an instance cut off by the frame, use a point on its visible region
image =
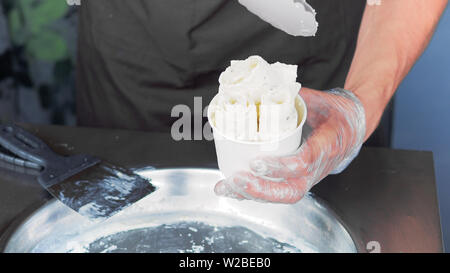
(102, 190)
(93, 188)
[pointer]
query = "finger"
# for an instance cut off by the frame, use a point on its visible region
(292, 166)
(223, 189)
(258, 189)
(317, 154)
(277, 167)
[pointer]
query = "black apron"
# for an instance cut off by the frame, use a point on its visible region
(139, 58)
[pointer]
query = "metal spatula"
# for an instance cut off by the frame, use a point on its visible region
(86, 184)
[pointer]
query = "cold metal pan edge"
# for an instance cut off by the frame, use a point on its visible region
(186, 195)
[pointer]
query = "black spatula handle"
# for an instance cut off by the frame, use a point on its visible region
(16, 161)
(35, 152)
(26, 146)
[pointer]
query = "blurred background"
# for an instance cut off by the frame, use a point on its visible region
(37, 84)
(37, 53)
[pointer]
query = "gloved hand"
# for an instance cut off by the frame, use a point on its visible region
(337, 119)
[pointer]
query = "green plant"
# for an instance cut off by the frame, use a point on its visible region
(30, 23)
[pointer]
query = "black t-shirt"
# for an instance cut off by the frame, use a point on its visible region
(139, 58)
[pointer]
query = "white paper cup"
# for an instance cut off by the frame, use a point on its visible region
(235, 155)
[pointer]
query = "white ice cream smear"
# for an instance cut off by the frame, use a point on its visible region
(256, 100)
(295, 17)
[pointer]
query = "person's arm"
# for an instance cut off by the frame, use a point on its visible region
(392, 37)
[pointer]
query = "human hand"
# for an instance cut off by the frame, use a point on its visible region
(337, 119)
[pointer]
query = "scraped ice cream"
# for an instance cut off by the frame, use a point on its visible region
(256, 100)
(295, 17)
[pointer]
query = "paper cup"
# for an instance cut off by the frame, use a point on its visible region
(235, 155)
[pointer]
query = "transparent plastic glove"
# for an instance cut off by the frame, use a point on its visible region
(337, 120)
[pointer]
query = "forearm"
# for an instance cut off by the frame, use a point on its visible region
(392, 37)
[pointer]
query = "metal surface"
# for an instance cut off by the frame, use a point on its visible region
(184, 215)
